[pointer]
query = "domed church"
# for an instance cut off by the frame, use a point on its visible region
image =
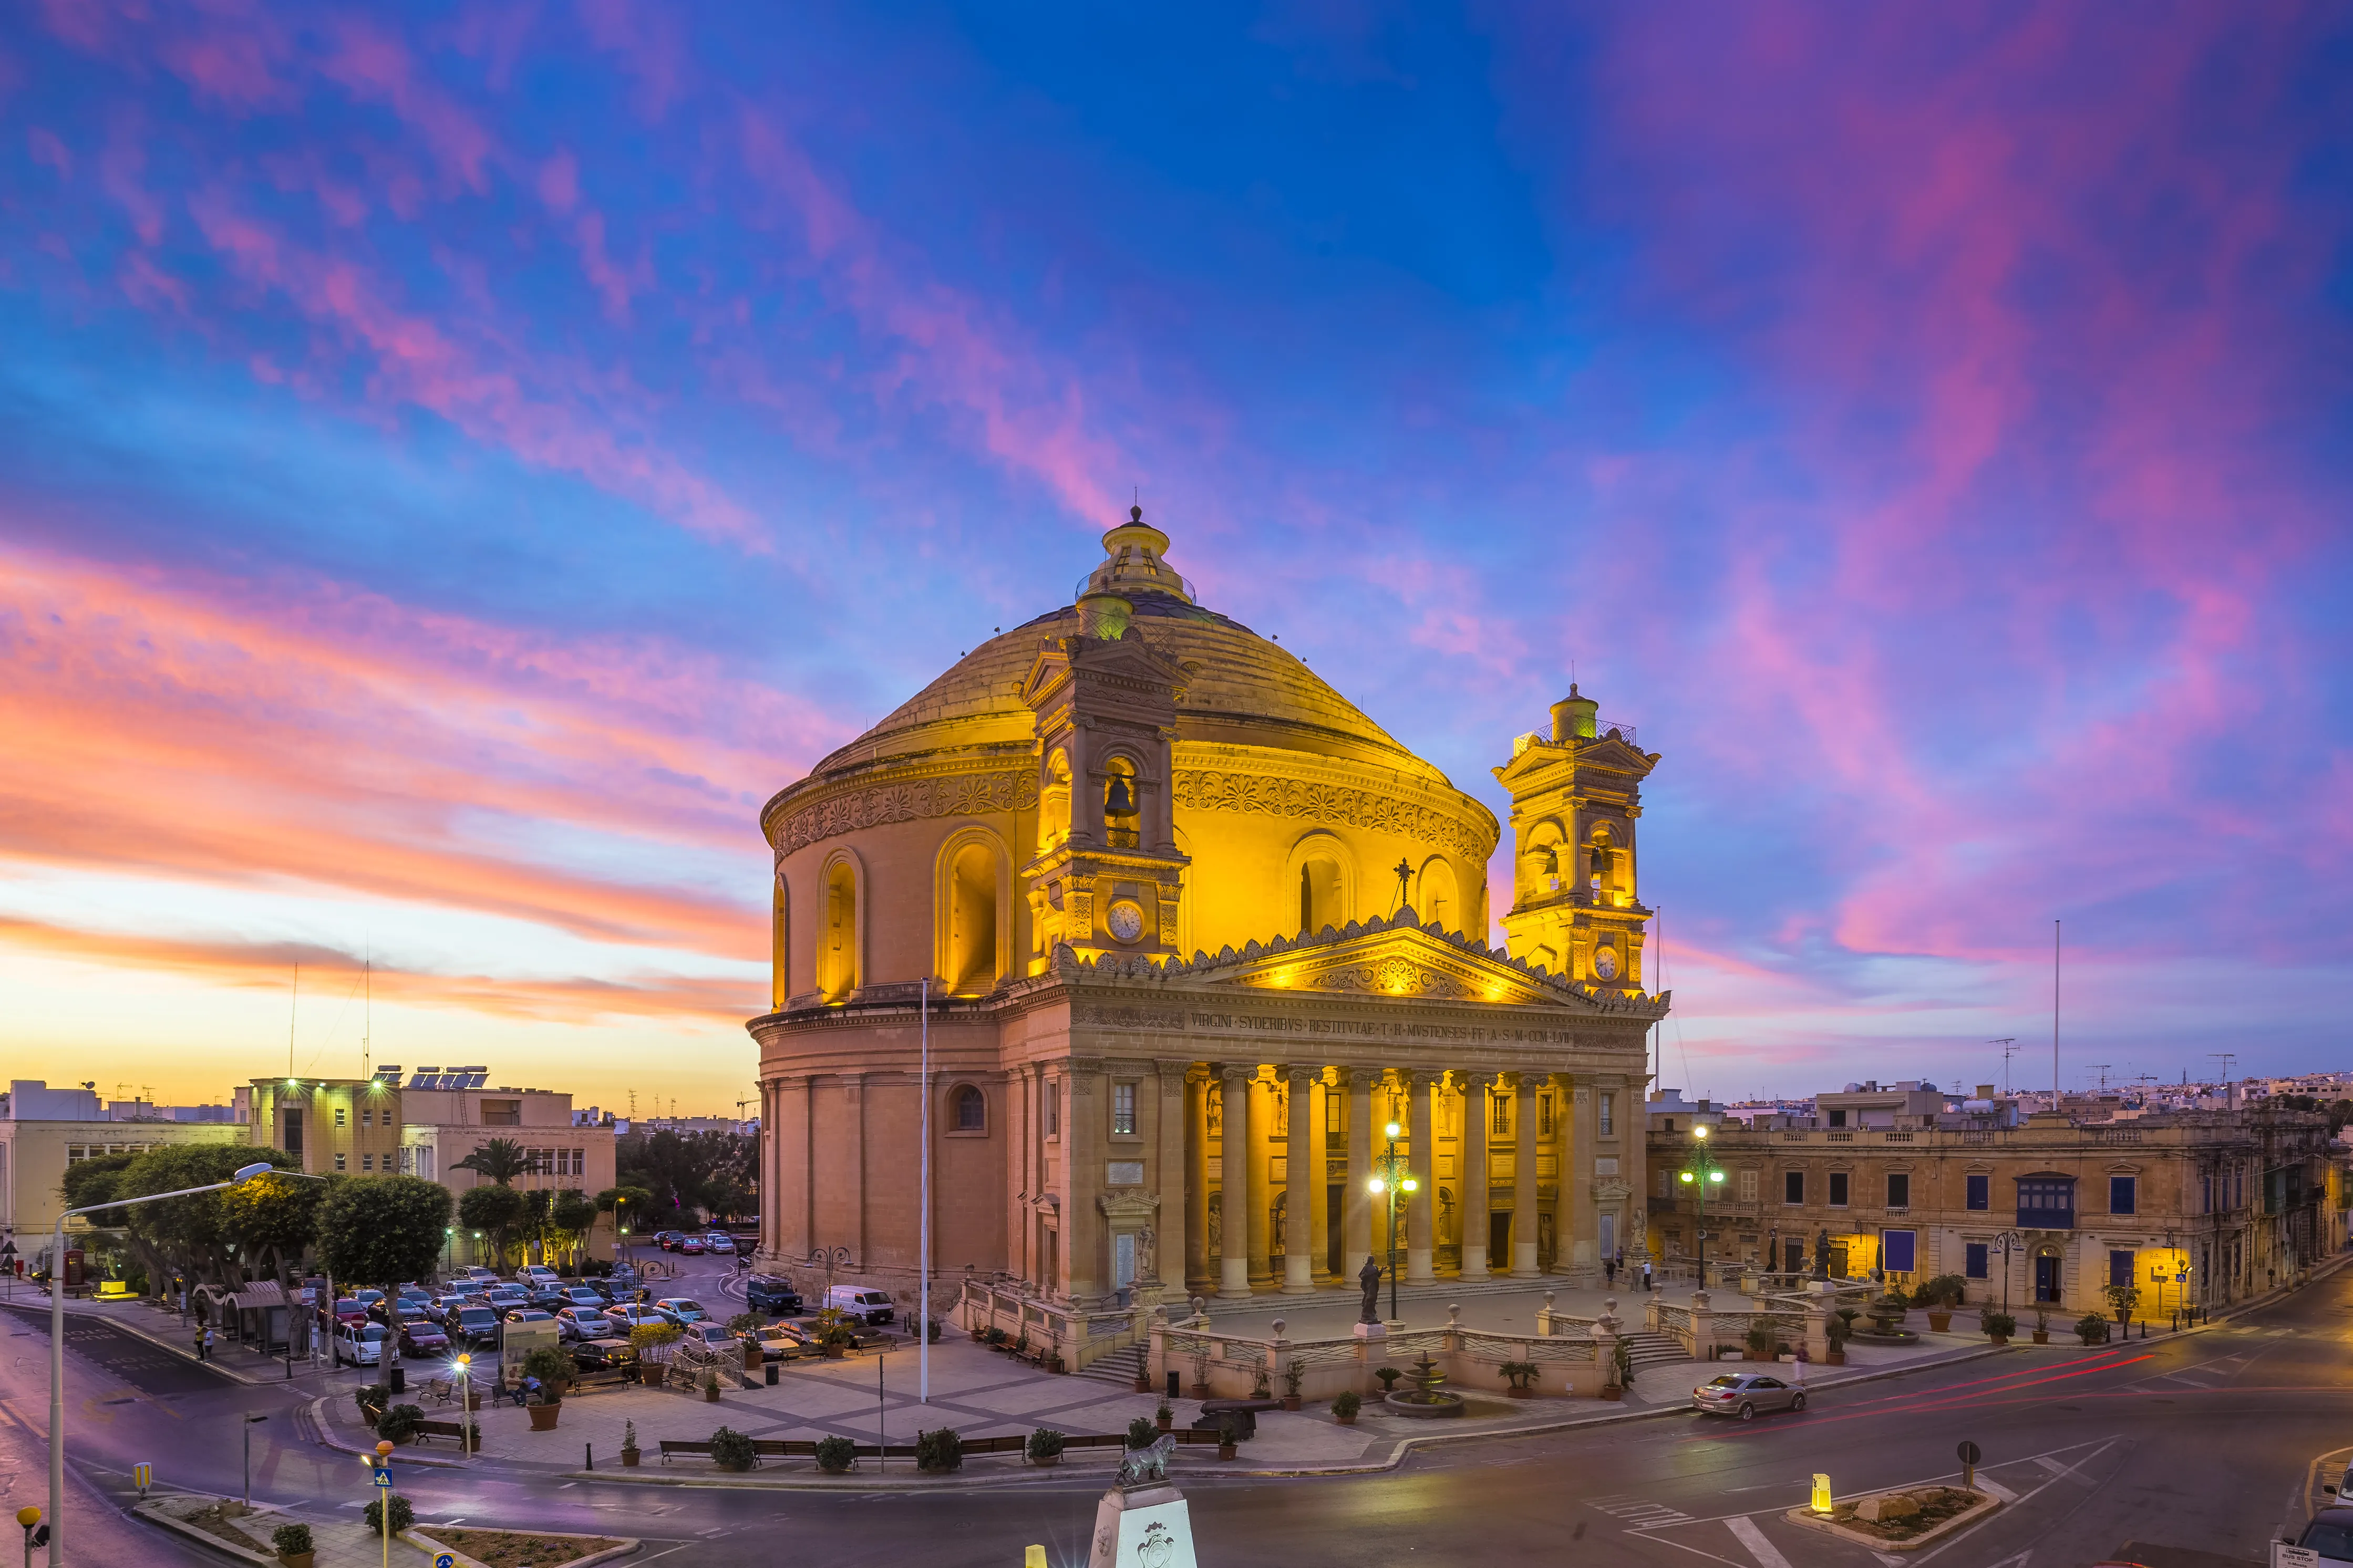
(1189, 933)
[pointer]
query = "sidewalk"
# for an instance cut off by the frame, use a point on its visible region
(341, 1540)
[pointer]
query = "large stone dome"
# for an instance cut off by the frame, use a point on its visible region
(1286, 804)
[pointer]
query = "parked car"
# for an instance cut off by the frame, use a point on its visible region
(1743, 1393)
(444, 1309)
(680, 1309)
(360, 1344)
(692, 1245)
(587, 1299)
(528, 1315)
(779, 1343)
(860, 1305)
(550, 1298)
(423, 1339)
(346, 1311)
(583, 1323)
(2329, 1533)
(367, 1298)
(667, 1239)
(595, 1356)
(718, 1243)
(483, 1277)
(771, 1293)
(713, 1337)
(630, 1315)
(476, 1325)
(539, 1271)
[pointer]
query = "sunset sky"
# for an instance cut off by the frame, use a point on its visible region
(458, 461)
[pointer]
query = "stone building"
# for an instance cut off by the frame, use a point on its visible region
(1194, 931)
(2203, 1207)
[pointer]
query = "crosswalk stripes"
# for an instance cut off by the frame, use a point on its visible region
(1641, 1513)
(1744, 1530)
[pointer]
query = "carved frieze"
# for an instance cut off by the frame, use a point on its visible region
(905, 800)
(1266, 795)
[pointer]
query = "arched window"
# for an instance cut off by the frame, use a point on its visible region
(780, 966)
(971, 1109)
(837, 953)
(1436, 899)
(970, 962)
(1320, 897)
(1054, 804)
(1123, 805)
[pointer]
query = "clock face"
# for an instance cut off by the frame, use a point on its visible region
(1604, 963)
(1126, 921)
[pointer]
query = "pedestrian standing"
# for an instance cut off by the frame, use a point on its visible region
(200, 1341)
(1609, 1271)
(208, 1344)
(1646, 1274)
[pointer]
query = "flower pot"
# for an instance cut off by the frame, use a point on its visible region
(1998, 1339)
(1939, 1322)
(2041, 1336)
(1612, 1390)
(1166, 1423)
(473, 1401)
(1521, 1391)
(752, 1358)
(628, 1458)
(296, 1559)
(1835, 1358)
(1291, 1402)
(1143, 1382)
(1342, 1420)
(1045, 1458)
(543, 1416)
(1200, 1391)
(709, 1394)
(1227, 1450)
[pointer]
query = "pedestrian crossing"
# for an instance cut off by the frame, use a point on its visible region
(1641, 1513)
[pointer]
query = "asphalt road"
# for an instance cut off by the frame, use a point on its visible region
(2207, 1441)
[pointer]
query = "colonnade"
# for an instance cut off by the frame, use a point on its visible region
(1267, 1140)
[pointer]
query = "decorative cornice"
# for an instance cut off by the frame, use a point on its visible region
(834, 813)
(1282, 793)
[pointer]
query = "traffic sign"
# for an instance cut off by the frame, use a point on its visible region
(143, 1477)
(445, 1561)
(384, 1475)
(1967, 1453)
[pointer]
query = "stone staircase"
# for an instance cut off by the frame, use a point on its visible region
(1645, 1350)
(1120, 1369)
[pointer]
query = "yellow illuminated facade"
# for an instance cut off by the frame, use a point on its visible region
(1189, 922)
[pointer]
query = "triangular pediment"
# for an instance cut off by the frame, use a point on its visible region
(1394, 959)
(1611, 754)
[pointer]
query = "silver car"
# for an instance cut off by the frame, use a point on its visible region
(1743, 1393)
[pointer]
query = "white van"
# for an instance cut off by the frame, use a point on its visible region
(859, 1306)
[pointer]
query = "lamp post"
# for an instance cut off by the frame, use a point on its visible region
(1388, 1185)
(462, 1365)
(1699, 1175)
(829, 1259)
(2007, 1241)
(58, 1339)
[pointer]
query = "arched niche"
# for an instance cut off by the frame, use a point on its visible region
(1436, 896)
(1054, 802)
(840, 963)
(1123, 802)
(1545, 862)
(1319, 882)
(780, 963)
(972, 898)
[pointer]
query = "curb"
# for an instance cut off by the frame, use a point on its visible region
(154, 1514)
(1975, 1514)
(317, 1411)
(622, 1545)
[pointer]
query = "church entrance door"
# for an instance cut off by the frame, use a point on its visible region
(1335, 1200)
(1499, 1239)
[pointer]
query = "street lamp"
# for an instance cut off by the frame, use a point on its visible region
(58, 1338)
(1699, 1175)
(2009, 1241)
(1387, 1186)
(459, 1364)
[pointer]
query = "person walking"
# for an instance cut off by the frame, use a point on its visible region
(200, 1341)
(1646, 1274)
(208, 1344)
(1609, 1271)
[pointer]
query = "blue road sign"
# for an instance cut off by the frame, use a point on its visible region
(384, 1475)
(445, 1561)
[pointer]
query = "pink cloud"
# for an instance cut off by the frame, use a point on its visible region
(375, 65)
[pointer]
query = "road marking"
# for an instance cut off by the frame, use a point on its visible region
(1641, 1513)
(2051, 1465)
(1992, 1488)
(1768, 1555)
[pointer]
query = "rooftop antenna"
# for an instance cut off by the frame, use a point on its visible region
(367, 1009)
(2101, 1068)
(2227, 1058)
(2009, 1043)
(293, 1002)
(2054, 1014)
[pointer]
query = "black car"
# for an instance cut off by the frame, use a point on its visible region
(595, 1356)
(2330, 1533)
(551, 1299)
(771, 1293)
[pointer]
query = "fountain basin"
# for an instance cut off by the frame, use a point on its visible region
(1407, 1405)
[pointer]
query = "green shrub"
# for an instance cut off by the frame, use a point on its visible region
(1623, 1364)
(745, 1323)
(836, 1455)
(1347, 1403)
(291, 1539)
(1520, 1373)
(1044, 1443)
(1943, 1292)
(399, 1424)
(371, 1397)
(2093, 1329)
(2000, 1324)
(1760, 1338)
(939, 1451)
(552, 1367)
(731, 1450)
(403, 1516)
(1388, 1376)
(1142, 1433)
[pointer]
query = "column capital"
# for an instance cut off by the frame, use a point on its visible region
(1173, 1075)
(1420, 1079)
(1294, 1073)
(1474, 1079)
(1234, 1072)
(1346, 1078)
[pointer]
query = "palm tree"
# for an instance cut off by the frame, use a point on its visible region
(499, 1159)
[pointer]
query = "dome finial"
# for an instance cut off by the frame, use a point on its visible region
(1134, 560)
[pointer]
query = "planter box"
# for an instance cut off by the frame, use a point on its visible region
(1998, 1339)
(543, 1416)
(1291, 1402)
(1520, 1393)
(1940, 1322)
(630, 1458)
(1045, 1458)
(1342, 1420)
(711, 1396)
(2041, 1336)
(1612, 1390)
(297, 1560)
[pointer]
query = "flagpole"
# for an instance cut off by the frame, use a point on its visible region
(924, 1261)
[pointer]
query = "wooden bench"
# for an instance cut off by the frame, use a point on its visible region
(453, 1430)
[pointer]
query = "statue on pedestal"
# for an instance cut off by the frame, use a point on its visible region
(1369, 1280)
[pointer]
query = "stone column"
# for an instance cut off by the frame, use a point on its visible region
(1319, 1182)
(1084, 1126)
(1475, 1223)
(854, 1090)
(1018, 1167)
(1299, 1184)
(1234, 1181)
(1581, 1236)
(1525, 1144)
(1261, 1186)
(1424, 1166)
(1170, 1248)
(1201, 1278)
(1356, 1198)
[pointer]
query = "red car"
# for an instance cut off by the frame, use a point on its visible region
(346, 1311)
(692, 1244)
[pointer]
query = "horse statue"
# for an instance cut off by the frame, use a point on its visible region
(1147, 1467)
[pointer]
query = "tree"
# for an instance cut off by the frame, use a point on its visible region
(187, 1236)
(382, 1230)
(495, 1209)
(572, 1215)
(92, 1180)
(626, 1204)
(689, 1171)
(499, 1159)
(276, 1219)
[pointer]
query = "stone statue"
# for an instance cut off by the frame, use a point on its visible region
(1148, 1254)
(1368, 1279)
(1147, 1467)
(1821, 1255)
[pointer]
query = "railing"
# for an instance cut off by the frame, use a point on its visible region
(1842, 1137)
(1232, 1365)
(1895, 1137)
(1078, 1337)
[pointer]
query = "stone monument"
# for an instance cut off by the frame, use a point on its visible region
(1369, 1317)
(1143, 1522)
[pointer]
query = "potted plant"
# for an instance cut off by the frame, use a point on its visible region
(2122, 1300)
(834, 1334)
(1999, 1326)
(552, 1368)
(1834, 1333)
(2092, 1328)
(978, 1333)
(1940, 1296)
(1142, 1433)
(1164, 1417)
(629, 1445)
(1345, 1407)
(992, 1337)
(371, 1398)
(2041, 1325)
(835, 1455)
(940, 1451)
(744, 1326)
(710, 1388)
(293, 1544)
(1044, 1446)
(731, 1450)
(1760, 1341)
(1619, 1373)
(1227, 1437)
(1262, 1388)
(1388, 1376)
(1521, 1375)
(399, 1424)
(404, 1514)
(1291, 1374)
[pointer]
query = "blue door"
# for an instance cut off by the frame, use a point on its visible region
(2046, 1280)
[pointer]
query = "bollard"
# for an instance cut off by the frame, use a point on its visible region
(1033, 1557)
(1821, 1498)
(588, 1456)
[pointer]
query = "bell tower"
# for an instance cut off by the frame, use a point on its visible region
(1107, 877)
(1575, 798)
